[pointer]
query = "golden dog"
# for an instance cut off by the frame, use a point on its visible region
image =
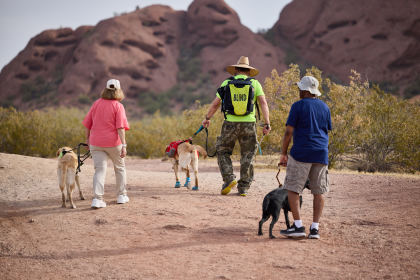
(66, 172)
(187, 157)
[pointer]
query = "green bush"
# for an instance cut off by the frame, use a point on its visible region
(375, 130)
(39, 133)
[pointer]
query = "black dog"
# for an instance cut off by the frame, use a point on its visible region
(274, 201)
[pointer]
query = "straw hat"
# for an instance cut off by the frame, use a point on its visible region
(243, 62)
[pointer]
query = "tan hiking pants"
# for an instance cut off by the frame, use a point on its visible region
(100, 157)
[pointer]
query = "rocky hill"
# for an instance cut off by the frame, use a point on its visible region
(167, 58)
(380, 39)
(152, 51)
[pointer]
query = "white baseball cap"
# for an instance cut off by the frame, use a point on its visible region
(310, 84)
(113, 84)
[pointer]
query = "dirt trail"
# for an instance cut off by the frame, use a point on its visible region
(370, 227)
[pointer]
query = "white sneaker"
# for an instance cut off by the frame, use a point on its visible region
(98, 203)
(122, 198)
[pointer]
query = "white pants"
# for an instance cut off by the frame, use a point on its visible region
(100, 159)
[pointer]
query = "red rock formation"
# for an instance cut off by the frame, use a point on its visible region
(141, 48)
(379, 39)
(146, 48)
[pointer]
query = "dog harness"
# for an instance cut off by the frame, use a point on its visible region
(172, 148)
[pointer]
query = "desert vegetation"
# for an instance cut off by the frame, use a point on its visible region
(372, 130)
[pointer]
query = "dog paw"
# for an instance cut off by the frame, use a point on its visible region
(272, 237)
(73, 207)
(260, 233)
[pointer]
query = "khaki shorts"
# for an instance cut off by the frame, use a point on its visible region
(297, 172)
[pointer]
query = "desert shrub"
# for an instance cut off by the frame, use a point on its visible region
(39, 132)
(391, 138)
(375, 130)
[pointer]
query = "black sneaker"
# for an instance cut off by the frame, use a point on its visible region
(314, 234)
(294, 231)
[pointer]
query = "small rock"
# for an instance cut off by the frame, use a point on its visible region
(100, 221)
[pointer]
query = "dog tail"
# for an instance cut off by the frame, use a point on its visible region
(184, 159)
(201, 150)
(63, 177)
(265, 204)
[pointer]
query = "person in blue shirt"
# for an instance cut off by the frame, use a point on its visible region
(308, 123)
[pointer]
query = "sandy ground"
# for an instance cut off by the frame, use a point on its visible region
(370, 228)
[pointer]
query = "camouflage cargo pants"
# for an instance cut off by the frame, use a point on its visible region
(246, 134)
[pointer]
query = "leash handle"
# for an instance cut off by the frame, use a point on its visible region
(199, 130)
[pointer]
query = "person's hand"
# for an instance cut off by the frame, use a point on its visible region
(266, 129)
(283, 160)
(206, 123)
(123, 152)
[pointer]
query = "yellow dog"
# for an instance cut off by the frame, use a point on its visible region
(67, 177)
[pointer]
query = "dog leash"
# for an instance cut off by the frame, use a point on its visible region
(277, 177)
(207, 140)
(81, 158)
(259, 144)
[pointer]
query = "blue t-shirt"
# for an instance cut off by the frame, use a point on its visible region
(311, 120)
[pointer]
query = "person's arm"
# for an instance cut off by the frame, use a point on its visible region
(265, 112)
(288, 134)
(121, 133)
(213, 108)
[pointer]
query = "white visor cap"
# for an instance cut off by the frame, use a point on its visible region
(113, 84)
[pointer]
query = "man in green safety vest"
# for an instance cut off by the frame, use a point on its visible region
(239, 97)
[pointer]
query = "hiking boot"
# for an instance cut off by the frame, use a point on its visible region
(195, 188)
(242, 192)
(227, 187)
(314, 234)
(98, 203)
(177, 184)
(294, 231)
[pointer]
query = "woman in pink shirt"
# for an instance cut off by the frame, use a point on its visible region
(106, 124)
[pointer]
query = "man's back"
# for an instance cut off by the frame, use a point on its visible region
(311, 120)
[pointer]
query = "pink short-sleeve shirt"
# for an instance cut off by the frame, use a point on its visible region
(104, 118)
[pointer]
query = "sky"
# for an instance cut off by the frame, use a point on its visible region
(20, 20)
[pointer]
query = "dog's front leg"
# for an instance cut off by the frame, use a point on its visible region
(78, 186)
